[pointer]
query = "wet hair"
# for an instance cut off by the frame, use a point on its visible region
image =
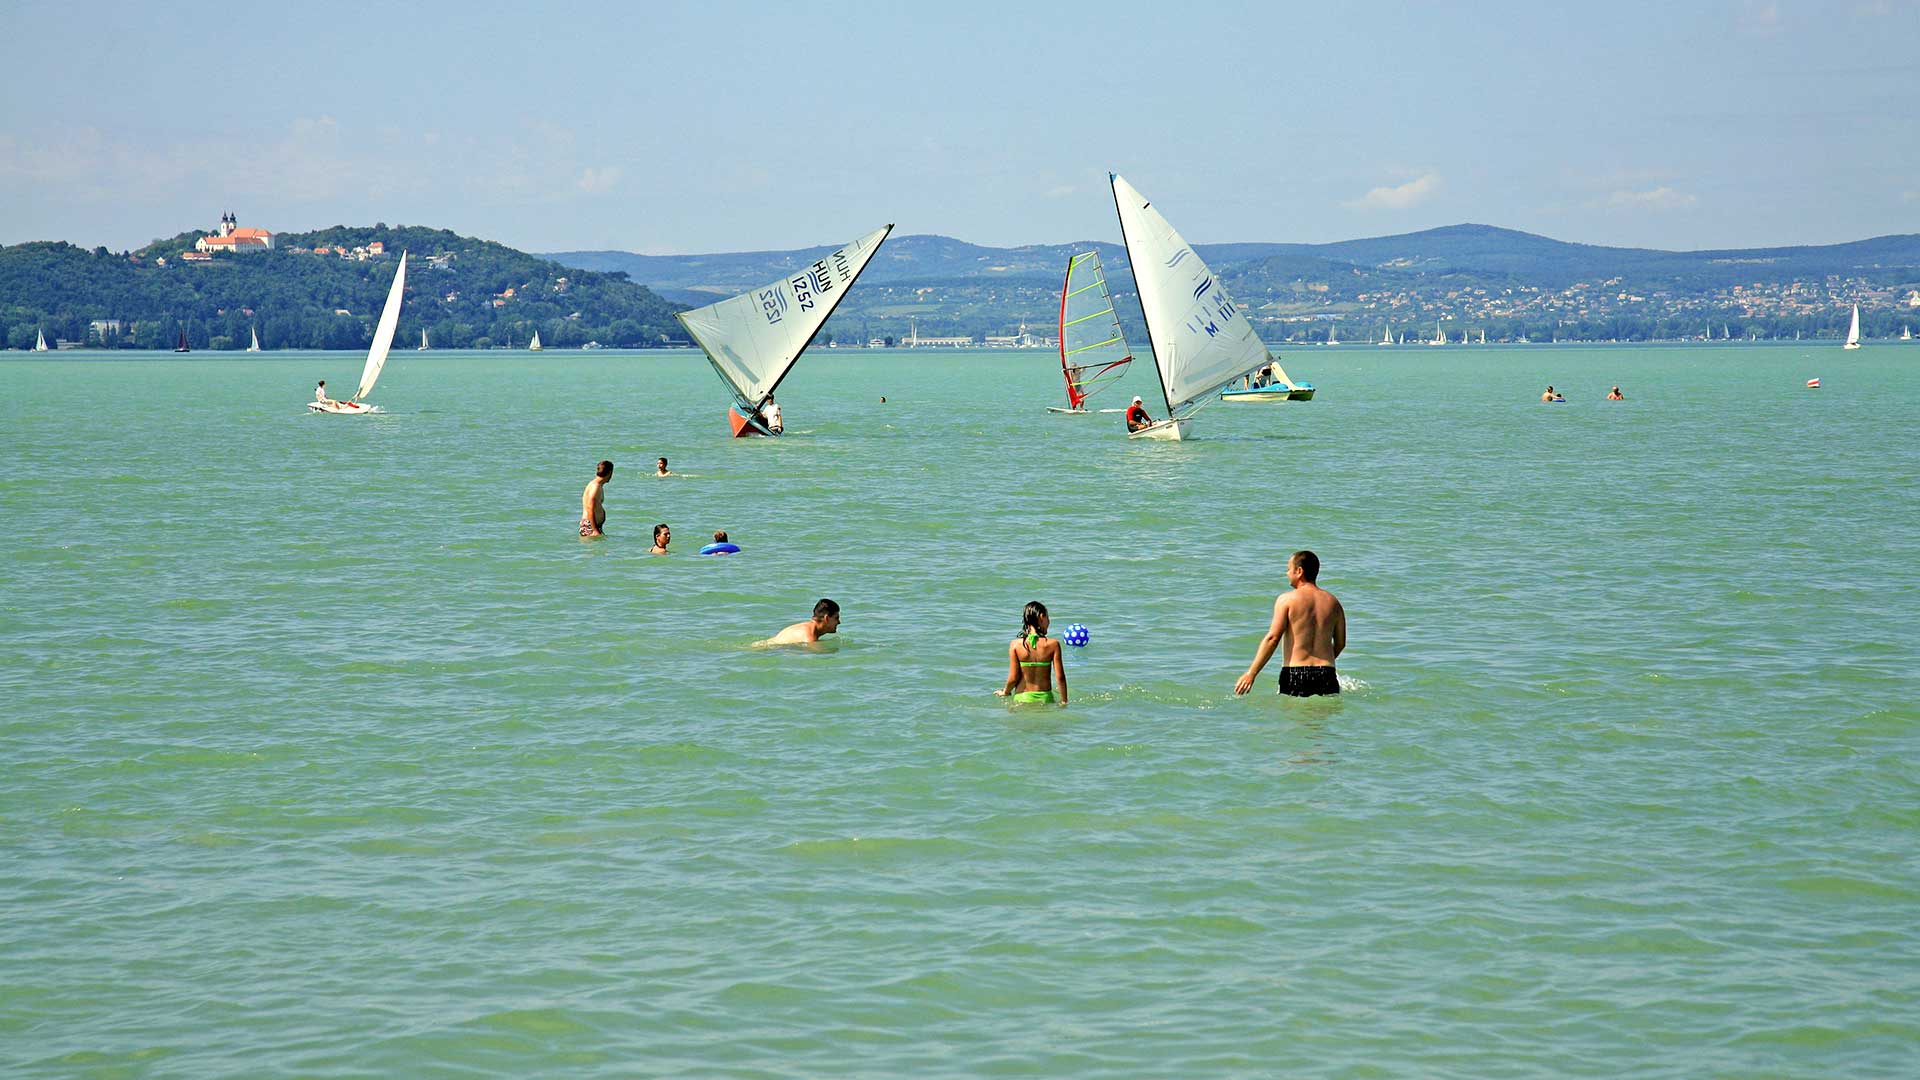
(1030, 617)
(657, 530)
(719, 536)
(603, 470)
(826, 609)
(1308, 562)
(323, 382)
(663, 461)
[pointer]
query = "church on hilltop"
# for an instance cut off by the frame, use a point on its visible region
(231, 237)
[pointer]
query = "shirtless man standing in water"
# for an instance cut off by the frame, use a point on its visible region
(826, 620)
(1312, 625)
(593, 506)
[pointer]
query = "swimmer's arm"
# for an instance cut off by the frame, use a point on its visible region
(1275, 634)
(1060, 672)
(1013, 672)
(1339, 629)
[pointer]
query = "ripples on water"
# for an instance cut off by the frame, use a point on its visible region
(330, 750)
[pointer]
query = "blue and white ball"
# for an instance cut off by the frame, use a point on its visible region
(1077, 635)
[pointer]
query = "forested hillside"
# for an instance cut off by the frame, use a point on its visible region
(466, 293)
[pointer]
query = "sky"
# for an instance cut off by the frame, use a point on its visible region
(670, 127)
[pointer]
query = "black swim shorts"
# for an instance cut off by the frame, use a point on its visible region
(1310, 681)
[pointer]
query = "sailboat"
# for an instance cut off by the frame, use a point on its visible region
(181, 345)
(534, 345)
(40, 341)
(1906, 333)
(1483, 335)
(422, 347)
(1333, 335)
(1439, 335)
(1201, 341)
(1386, 335)
(377, 355)
(1093, 352)
(1853, 332)
(254, 345)
(754, 339)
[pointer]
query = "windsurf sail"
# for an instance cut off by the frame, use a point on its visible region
(383, 332)
(1093, 352)
(1200, 340)
(752, 340)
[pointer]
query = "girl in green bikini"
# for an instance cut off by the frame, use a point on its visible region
(1034, 663)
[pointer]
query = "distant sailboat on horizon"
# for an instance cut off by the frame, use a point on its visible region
(1333, 335)
(1853, 331)
(534, 345)
(1386, 334)
(422, 347)
(254, 345)
(40, 341)
(1439, 335)
(1906, 333)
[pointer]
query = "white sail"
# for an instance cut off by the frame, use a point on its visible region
(1386, 335)
(383, 333)
(1200, 340)
(254, 346)
(534, 345)
(1853, 331)
(753, 339)
(423, 340)
(40, 341)
(1333, 335)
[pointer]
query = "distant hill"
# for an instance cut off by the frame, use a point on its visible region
(1510, 283)
(466, 293)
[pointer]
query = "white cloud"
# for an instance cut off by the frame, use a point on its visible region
(1412, 193)
(1910, 196)
(1660, 198)
(1061, 192)
(598, 181)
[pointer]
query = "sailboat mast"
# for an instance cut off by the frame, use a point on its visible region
(1066, 372)
(1159, 372)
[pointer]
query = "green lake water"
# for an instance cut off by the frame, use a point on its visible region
(330, 750)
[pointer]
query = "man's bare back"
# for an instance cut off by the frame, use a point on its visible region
(593, 507)
(1309, 628)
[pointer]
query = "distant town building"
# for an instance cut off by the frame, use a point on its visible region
(231, 237)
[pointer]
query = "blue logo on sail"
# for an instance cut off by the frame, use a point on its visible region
(1204, 286)
(1181, 254)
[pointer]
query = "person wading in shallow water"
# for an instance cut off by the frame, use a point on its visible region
(593, 506)
(1312, 626)
(1034, 662)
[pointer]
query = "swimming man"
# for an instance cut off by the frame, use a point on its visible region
(662, 536)
(826, 620)
(1312, 625)
(1615, 395)
(593, 507)
(1548, 395)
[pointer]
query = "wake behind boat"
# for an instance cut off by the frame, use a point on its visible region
(754, 339)
(1200, 340)
(376, 356)
(1093, 352)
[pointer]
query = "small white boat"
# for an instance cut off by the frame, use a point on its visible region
(422, 347)
(1093, 351)
(1201, 341)
(40, 341)
(1268, 384)
(1906, 333)
(754, 339)
(1386, 335)
(1333, 335)
(534, 345)
(253, 345)
(1439, 335)
(1853, 331)
(376, 356)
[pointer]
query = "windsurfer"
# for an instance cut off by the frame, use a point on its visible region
(593, 508)
(1137, 417)
(1312, 626)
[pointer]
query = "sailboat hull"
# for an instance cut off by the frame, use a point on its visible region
(343, 408)
(743, 427)
(1269, 393)
(1174, 430)
(1851, 345)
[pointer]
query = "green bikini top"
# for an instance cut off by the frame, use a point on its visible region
(1031, 639)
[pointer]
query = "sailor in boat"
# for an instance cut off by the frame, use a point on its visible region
(1137, 417)
(770, 412)
(320, 394)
